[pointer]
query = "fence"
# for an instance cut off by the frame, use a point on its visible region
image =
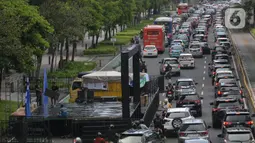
(25, 130)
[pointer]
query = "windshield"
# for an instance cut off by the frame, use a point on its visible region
(185, 83)
(186, 57)
(149, 48)
(76, 85)
(193, 127)
(228, 104)
(194, 46)
(177, 115)
(170, 62)
(238, 118)
(221, 40)
(182, 36)
(189, 97)
(239, 137)
(227, 81)
(176, 48)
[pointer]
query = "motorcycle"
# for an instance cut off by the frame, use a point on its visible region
(169, 94)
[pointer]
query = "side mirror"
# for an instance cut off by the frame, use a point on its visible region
(211, 103)
(209, 127)
(201, 97)
(219, 136)
(196, 83)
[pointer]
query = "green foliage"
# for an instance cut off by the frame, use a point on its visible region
(253, 32)
(71, 69)
(6, 108)
(102, 48)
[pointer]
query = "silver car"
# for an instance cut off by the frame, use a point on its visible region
(196, 50)
(193, 129)
(184, 86)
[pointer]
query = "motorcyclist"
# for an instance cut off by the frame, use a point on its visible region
(168, 70)
(112, 135)
(158, 124)
(99, 138)
(167, 104)
(136, 39)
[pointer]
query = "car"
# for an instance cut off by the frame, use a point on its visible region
(173, 62)
(150, 51)
(225, 44)
(170, 125)
(221, 56)
(184, 38)
(201, 37)
(192, 101)
(229, 82)
(220, 35)
(186, 60)
(179, 41)
(218, 40)
(197, 141)
(184, 85)
(220, 30)
(237, 135)
(213, 68)
(220, 105)
(196, 50)
(193, 128)
(175, 51)
(235, 118)
(225, 91)
(184, 31)
(218, 49)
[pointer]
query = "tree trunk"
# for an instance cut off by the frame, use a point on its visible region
(105, 35)
(38, 65)
(67, 49)
(149, 13)
(52, 59)
(61, 55)
(97, 37)
(110, 34)
(113, 31)
(74, 49)
(1, 79)
(93, 41)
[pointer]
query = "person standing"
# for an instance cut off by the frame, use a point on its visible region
(38, 93)
(55, 89)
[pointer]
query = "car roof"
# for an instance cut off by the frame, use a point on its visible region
(222, 38)
(185, 79)
(220, 60)
(221, 33)
(218, 55)
(178, 110)
(168, 59)
(225, 98)
(193, 121)
(236, 112)
(224, 71)
(185, 54)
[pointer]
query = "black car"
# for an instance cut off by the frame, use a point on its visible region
(229, 82)
(237, 118)
(218, 50)
(219, 107)
(237, 135)
(192, 101)
(218, 78)
(231, 91)
(212, 68)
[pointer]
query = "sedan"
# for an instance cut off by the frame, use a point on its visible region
(175, 51)
(150, 51)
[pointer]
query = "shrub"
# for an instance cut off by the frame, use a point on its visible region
(253, 31)
(71, 69)
(12, 106)
(102, 48)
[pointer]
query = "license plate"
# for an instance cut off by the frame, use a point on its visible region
(149, 53)
(193, 135)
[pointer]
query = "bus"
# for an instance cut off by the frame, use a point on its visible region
(168, 24)
(182, 8)
(154, 35)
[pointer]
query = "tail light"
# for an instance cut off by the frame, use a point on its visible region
(197, 101)
(214, 73)
(169, 92)
(219, 93)
(249, 123)
(215, 109)
(227, 123)
(154, 50)
(182, 134)
(241, 92)
(204, 133)
(217, 84)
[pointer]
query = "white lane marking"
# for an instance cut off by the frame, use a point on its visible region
(203, 85)
(239, 82)
(204, 67)
(202, 92)
(204, 72)
(205, 62)
(205, 57)
(203, 78)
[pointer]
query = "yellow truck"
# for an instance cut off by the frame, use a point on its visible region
(103, 83)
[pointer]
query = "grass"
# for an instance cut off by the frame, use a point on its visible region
(122, 38)
(253, 32)
(71, 69)
(6, 108)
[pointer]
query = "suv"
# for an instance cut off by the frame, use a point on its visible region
(219, 107)
(192, 101)
(176, 69)
(213, 68)
(237, 135)
(196, 50)
(229, 82)
(172, 113)
(184, 85)
(186, 60)
(221, 56)
(192, 129)
(234, 118)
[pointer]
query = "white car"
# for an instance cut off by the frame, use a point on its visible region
(150, 51)
(186, 60)
(219, 40)
(171, 124)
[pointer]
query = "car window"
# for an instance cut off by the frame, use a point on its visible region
(193, 127)
(228, 104)
(176, 48)
(173, 115)
(227, 81)
(238, 118)
(185, 83)
(170, 62)
(239, 137)
(194, 46)
(149, 48)
(185, 57)
(225, 40)
(189, 97)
